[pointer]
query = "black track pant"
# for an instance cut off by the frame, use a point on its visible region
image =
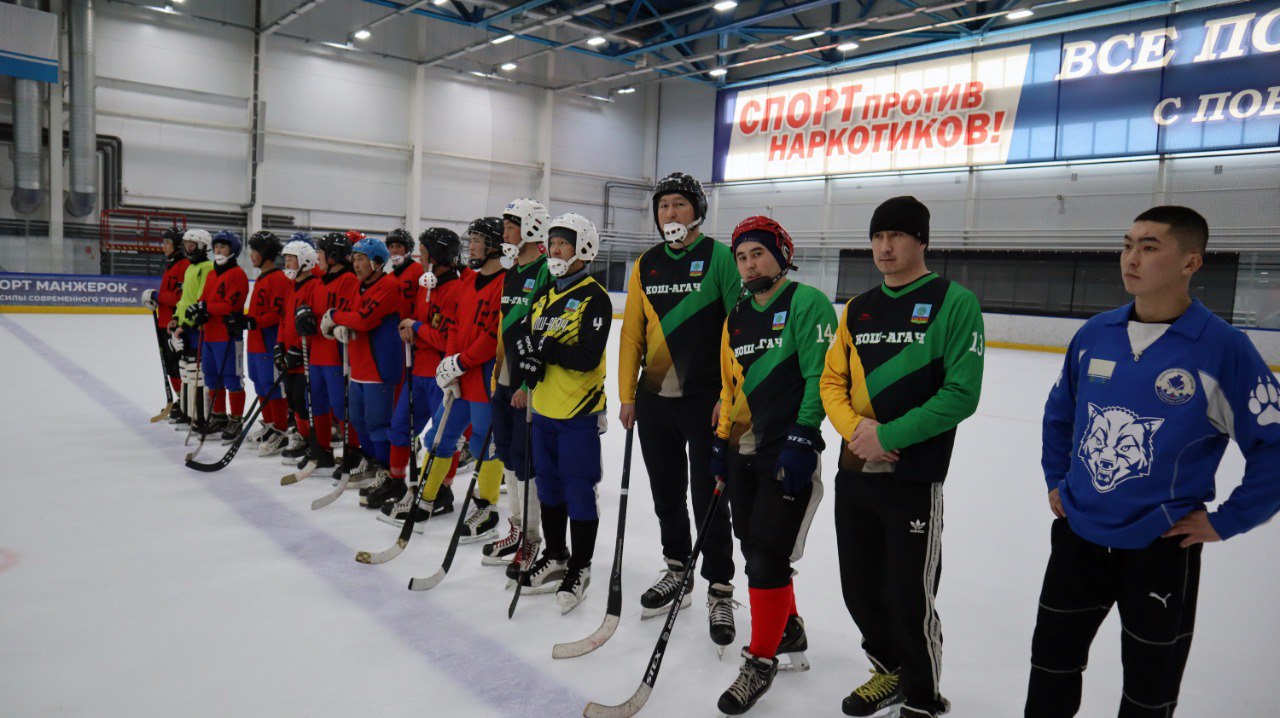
(295, 391)
(169, 356)
(771, 528)
(889, 536)
(1155, 588)
(666, 425)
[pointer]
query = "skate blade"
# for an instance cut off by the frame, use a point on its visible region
(647, 613)
(541, 590)
(495, 560)
(796, 662)
(417, 527)
(478, 538)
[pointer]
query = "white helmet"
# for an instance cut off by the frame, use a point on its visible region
(533, 219)
(306, 255)
(586, 240)
(200, 238)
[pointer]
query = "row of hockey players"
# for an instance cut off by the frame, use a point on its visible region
(727, 369)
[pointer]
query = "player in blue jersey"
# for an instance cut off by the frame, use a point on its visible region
(1149, 396)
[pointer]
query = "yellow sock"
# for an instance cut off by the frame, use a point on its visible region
(439, 470)
(490, 481)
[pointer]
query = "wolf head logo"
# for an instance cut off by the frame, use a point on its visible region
(1117, 446)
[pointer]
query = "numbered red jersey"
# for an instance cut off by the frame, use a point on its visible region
(377, 354)
(225, 292)
(476, 338)
(435, 316)
(407, 275)
(266, 307)
(299, 294)
(339, 291)
(170, 290)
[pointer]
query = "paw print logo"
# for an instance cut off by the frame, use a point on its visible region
(1264, 402)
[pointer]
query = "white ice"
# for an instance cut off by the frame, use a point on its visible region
(131, 586)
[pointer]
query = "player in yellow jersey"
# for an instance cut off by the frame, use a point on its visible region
(562, 357)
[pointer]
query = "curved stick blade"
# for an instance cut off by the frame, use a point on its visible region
(588, 644)
(428, 583)
(290, 479)
(332, 496)
(623, 710)
(382, 556)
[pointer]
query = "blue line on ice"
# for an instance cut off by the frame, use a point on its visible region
(478, 664)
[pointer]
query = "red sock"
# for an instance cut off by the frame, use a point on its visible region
(453, 470)
(279, 413)
(352, 439)
(176, 383)
(399, 461)
(768, 619)
(237, 403)
(324, 427)
(794, 611)
(304, 428)
(219, 401)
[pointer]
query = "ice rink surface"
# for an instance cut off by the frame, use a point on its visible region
(131, 586)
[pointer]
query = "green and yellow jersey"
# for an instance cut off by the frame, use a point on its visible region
(575, 323)
(676, 305)
(771, 361)
(911, 358)
(192, 289)
(519, 288)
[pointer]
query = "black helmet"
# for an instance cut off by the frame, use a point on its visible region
(441, 246)
(491, 229)
(173, 234)
(336, 247)
(267, 244)
(681, 183)
(400, 237)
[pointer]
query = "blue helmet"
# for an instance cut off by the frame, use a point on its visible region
(302, 237)
(373, 248)
(229, 238)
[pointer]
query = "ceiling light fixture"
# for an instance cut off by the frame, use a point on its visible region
(1022, 14)
(500, 40)
(362, 34)
(717, 72)
(724, 6)
(847, 47)
(626, 90)
(808, 35)
(508, 66)
(596, 41)
(438, 3)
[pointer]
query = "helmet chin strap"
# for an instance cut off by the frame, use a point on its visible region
(760, 285)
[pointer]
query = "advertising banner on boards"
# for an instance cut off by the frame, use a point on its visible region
(73, 293)
(1195, 81)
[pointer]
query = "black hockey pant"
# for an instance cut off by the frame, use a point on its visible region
(770, 527)
(889, 537)
(665, 426)
(1155, 588)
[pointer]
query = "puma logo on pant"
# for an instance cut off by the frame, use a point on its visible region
(1164, 600)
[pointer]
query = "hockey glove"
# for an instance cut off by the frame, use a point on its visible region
(327, 324)
(176, 343)
(798, 460)
(149, 300)
(531, 370)
(304, 321)
(236, 323)
(529, 346)
(344, 334)
(198, 314)
(719, 463)
(449, 371)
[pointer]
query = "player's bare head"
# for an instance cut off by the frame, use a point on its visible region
(1185, 225)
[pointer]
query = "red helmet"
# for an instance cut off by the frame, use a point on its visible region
(782, 240)
(355, 235)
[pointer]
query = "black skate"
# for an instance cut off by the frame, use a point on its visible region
(388, 489)
(720, 605)
(792, 647)
(658, 598)
(753, 681)
(880, 693)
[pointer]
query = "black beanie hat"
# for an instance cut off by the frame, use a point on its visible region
(904, 214)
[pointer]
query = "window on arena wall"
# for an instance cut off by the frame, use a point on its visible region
(1057, 284)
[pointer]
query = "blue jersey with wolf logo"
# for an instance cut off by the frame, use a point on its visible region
(1133, 436)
